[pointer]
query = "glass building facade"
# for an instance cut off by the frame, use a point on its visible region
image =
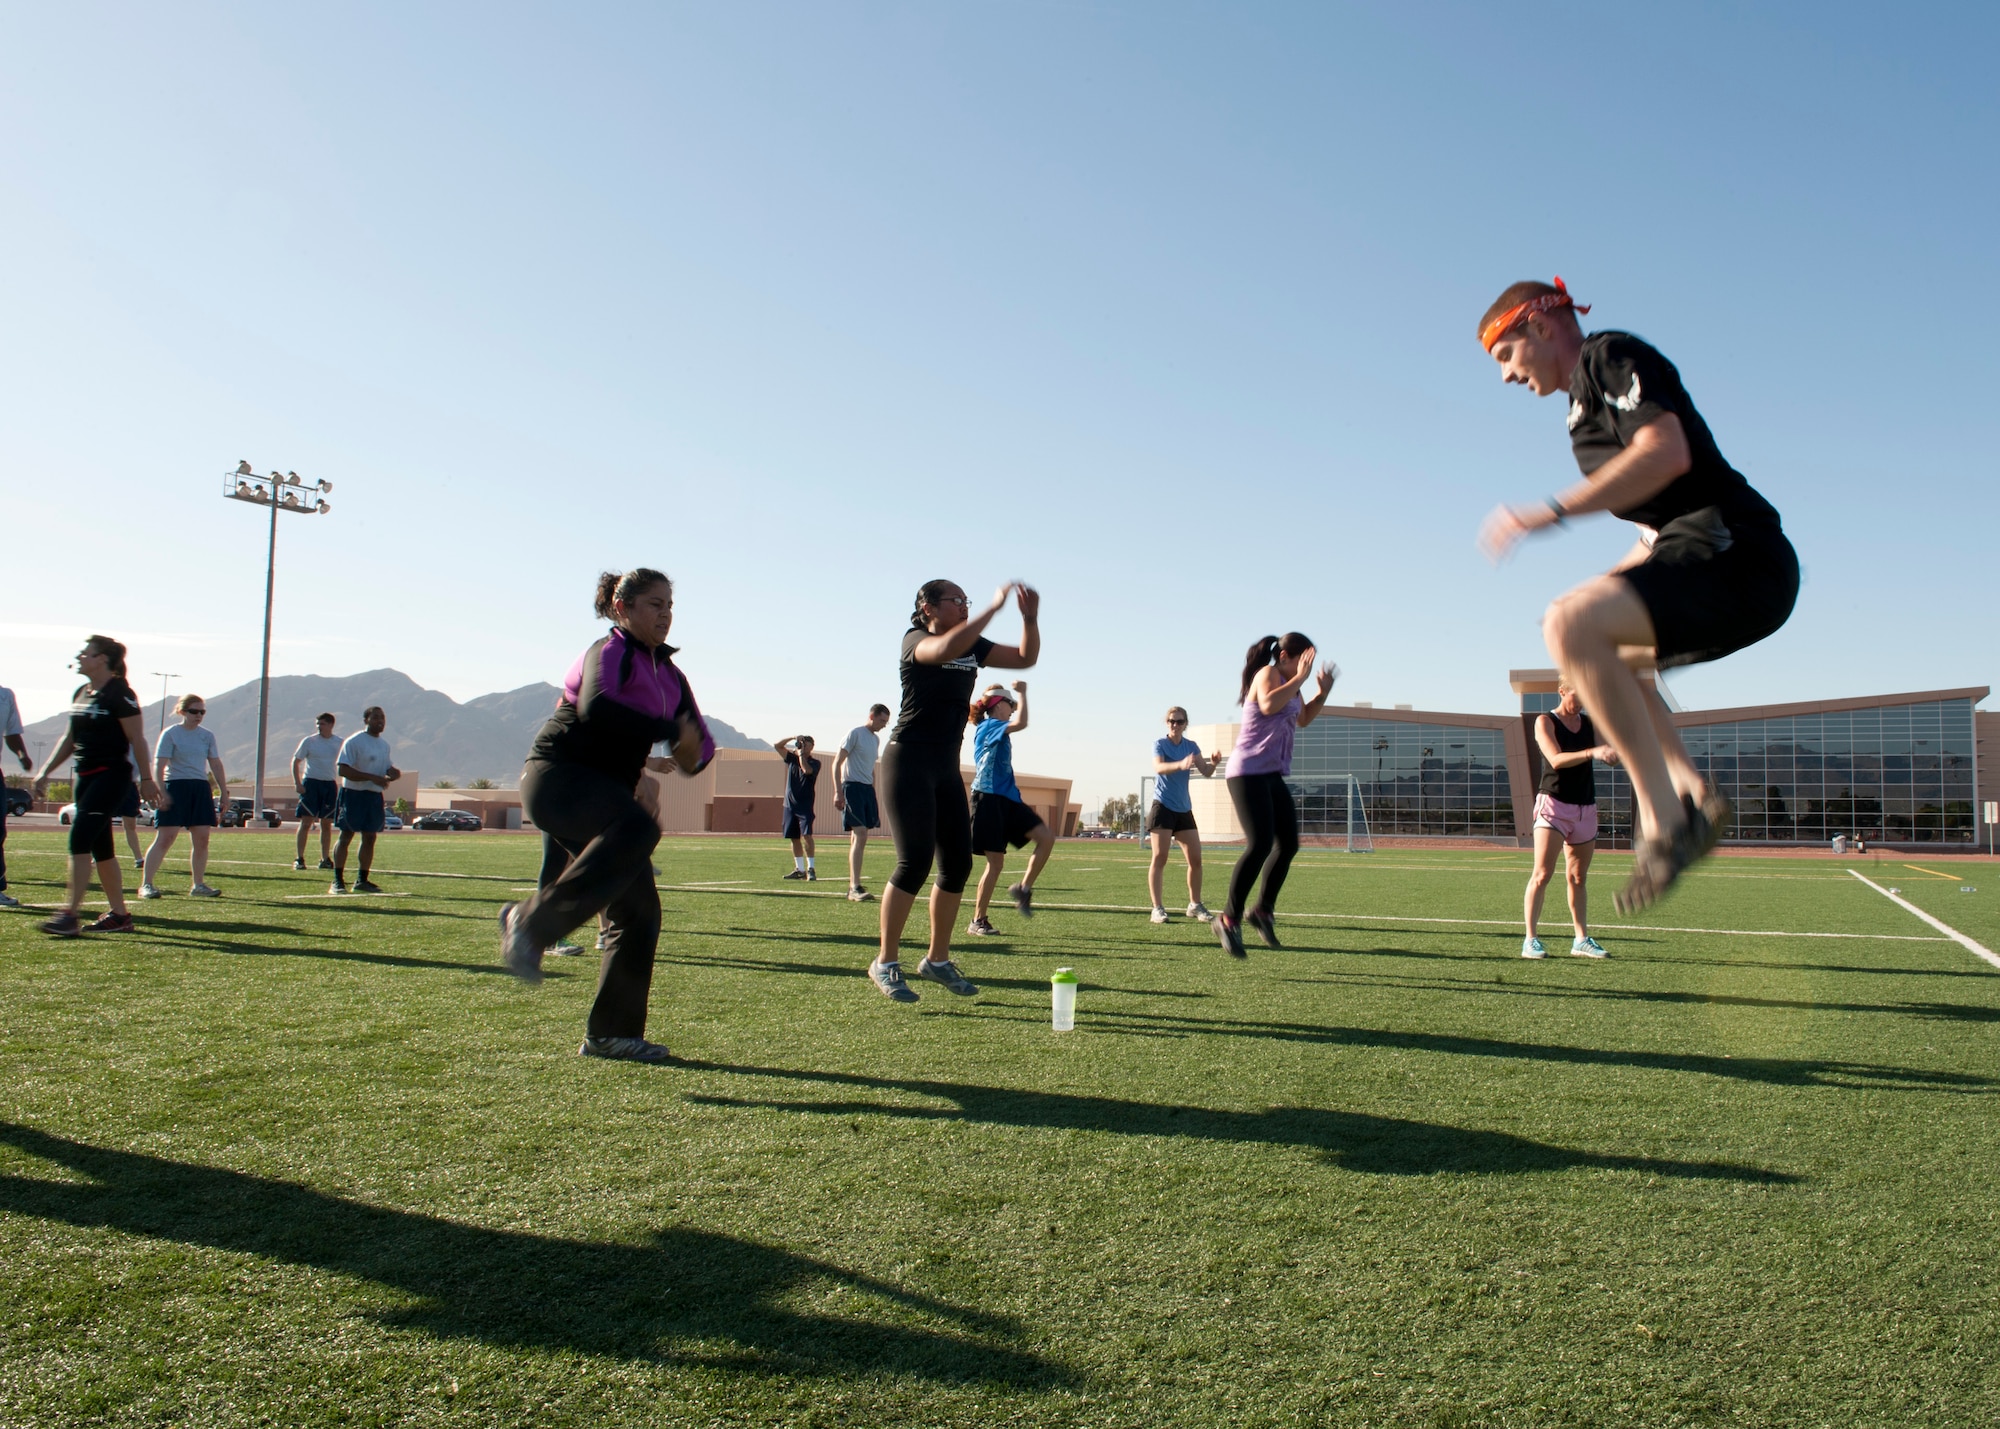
(1896, 773)
(1436, 779)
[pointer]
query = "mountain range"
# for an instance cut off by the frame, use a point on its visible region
(428, 731)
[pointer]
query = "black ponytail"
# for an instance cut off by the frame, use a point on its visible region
(1267, 650)
(629, 587)
(929, 593)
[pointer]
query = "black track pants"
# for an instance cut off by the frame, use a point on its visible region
(1271, 831)
(610, 840)
(923, 801)
(555, 858)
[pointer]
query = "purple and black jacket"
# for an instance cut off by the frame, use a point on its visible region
(619, 700)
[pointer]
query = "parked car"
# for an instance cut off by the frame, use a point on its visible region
(451, 820)
(391, 819)
(19, 801)
(236, 815)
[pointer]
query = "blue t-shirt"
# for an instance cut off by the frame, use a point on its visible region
(187, 751)
(993, 755)
(1172, 789)
(801, 776)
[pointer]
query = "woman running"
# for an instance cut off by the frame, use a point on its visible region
(1274, 672)
(1171, 819)
(922, 793)
(999, 817)
(584, 785)
(184, 759)
(108, 736)
(1566, 817)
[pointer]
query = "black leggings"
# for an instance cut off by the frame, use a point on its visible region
(1271, 831)
(923, 800)
(98, 797)
(609, 839)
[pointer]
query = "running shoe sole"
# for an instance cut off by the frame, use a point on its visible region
(515, 953)
(1266, 926)
(1656, 865)
(952, 980)
(624, 1049)
(1230, 938)
(1024, 899)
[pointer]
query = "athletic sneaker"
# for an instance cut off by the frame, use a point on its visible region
(362, 885)
(338, 887)
(857, 895)
(112, 923)
(981, 928)
(797, 873)
(517, 953)
(146, 890)
(1532, 948)
(1707, 821)
(1159, 914)
(325, 863)
(202, 890)
(6, 902)
(63, 925)
(948, 974)
(139, 864)
(1265, 924)
(1229, 935)
(1024, 899)
(1655, 866)
(624, 1049)
(1198, 913)
(1587, 948)
(564, 950)
(299, 865)
(888, 980)
(812, 875)
(600, 944)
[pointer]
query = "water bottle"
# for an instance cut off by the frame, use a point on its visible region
(1062, 995)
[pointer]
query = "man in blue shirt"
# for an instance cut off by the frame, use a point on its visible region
(1172, 816)
(999, 818)
(801, 789)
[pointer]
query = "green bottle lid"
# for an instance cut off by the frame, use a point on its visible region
(1064, 975)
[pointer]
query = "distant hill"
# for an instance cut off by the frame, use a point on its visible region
(430, 732)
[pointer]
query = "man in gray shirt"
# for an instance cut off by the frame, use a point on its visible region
(854, 792)
(315, 775)
(11, 729)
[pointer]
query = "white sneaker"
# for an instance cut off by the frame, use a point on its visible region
(9, 902)
(1587, 948)
(1532, 948)
(146, 890)
(1198, 913)
(517, 953)
(1159, 914)
(202, 890)
(565, 950)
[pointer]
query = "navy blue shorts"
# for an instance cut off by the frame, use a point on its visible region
(860, 812)
(998, 821)
(128, 807)
(318, 799)
(360, 811)
(798, 823)
(190, 805)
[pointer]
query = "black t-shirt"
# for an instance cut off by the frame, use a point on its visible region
(1622, 384)
(1577, 784)
(94, 717)
(936, 697)
(801, 775)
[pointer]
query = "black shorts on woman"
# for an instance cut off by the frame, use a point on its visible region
(922, 792)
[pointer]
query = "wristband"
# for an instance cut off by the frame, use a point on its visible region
(1556, 507)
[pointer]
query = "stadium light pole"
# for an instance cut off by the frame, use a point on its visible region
(280, 493)
(166, 675)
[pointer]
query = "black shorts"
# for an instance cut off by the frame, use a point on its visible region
(798, 823)
(998, 821)
(861, 812)
(99, 797)
(318, 799)
(190, 805)
(1170, 821)
(128, 807)
(1711, 590)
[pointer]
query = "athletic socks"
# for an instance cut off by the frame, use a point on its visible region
(809, 863)
(799, 862)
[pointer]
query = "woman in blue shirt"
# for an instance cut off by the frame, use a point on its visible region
(1172, 816)
(184, 760)
(999, 817)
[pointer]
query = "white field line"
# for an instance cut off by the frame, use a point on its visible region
(343, 897)
(1978, 950)
(1516, 922)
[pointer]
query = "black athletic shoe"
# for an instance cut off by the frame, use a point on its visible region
(797, 874)
(624, 1049)
(64, 925)
(1229, 935)
(1024, 899)
(326, 863)
(362, 885)
(1266, 926)
(1707, 822)
(298, 865)
(112, 923)
(1656, 863)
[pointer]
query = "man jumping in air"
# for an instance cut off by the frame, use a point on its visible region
(1711, 574)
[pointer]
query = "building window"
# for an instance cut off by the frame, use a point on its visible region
(1447, 781)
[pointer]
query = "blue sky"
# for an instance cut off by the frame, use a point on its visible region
(1167, 309)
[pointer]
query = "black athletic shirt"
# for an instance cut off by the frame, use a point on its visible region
(93, 724)
(1578, 783)
(1622, 384)
(936, 697)
(801, 777)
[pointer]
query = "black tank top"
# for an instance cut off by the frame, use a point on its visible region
(1578, 783)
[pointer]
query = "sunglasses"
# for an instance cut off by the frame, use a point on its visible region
(1176, 721)
(194, 711)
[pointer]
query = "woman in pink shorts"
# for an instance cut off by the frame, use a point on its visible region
(1565, 817)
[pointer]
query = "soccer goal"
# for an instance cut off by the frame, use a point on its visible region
(1357, 819)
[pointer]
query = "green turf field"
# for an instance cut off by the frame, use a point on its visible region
(282, 1159)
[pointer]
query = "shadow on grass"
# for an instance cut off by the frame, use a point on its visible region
(1375, 1145)
(684, 1296)
(859, 967)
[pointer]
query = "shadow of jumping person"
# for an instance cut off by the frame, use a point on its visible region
(682, 1297)
(1355, 1141)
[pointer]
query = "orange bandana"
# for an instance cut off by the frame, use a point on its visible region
(1507, 321)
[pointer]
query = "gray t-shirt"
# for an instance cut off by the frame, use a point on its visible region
(368, 753)
(861, 747)
(321, 753)
(10, 713)
(187, 751)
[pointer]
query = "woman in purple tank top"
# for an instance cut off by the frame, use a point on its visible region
(1274, 673)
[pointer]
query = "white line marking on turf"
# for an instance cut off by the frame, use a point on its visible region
(344, 897)
(1978, 950)
(1516, 922)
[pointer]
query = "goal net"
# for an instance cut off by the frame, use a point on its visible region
(1357, 819)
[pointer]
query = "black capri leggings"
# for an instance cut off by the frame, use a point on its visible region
(923, 800)
(609, 838)
(98, 798)
(1271, 831)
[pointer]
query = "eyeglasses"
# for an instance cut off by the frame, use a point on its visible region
(950, 600)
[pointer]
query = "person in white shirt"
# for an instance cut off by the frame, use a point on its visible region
(316, 777)
(854, 792)
(15, 735)
(365, 771)
(184, 760)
